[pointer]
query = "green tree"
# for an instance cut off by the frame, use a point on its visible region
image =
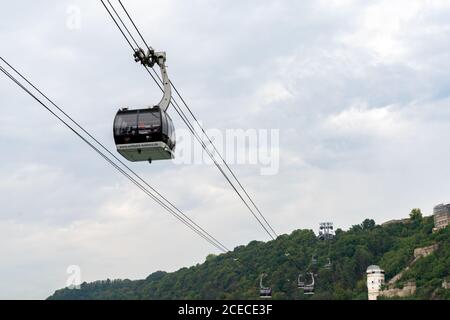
(416, 214)
(368, 224)
(235, 274)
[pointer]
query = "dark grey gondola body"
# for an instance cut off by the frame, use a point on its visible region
(144, 134)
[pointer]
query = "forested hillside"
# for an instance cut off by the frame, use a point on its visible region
(235, 275)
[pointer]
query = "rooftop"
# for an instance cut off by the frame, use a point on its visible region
(373, 268)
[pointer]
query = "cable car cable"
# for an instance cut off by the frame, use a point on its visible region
(189, 125)
(221, 157)
(126, 11)
(112, 154)
(192, 129)
(117, 25)
(217, 245)
(108, 160)
(105, 157)
(121, 21)
(195, 118)
(186, 120)
(198, 123)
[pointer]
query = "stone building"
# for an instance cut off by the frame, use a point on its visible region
(424, 251)
(441, 214)
(408, 290)
(375, 279)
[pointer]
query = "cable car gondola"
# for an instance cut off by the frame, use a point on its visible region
(264, 292)
(309, 288)
(328, 264)
(147, 134)
(300, 282)
(144, 134)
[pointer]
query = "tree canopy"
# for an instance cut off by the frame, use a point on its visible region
(235, 275)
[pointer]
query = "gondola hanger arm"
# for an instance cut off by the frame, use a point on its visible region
(149, 59)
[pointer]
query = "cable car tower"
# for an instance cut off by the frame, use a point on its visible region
(326, 231)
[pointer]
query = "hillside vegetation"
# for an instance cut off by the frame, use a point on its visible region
(235, 275)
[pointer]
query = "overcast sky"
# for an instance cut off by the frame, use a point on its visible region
(358, 89)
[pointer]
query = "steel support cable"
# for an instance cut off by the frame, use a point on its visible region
(174, 103)
(195, 119)
(189, 125)
(109, 160)
(105, 157)
(114, 156)
(110, 14)
(131, 46)
(129, 17)
(192, 129)
(123, 24)
(223, 160)
(182, 115)
(211, 155)
(212, 241)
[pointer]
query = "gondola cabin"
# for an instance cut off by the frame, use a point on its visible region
(144, 134)
(309, 288)
(265, 293)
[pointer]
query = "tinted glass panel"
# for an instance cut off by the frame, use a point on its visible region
(164, 121)
(172, 136)
(125, 124)
(169, 128)
(149, 122)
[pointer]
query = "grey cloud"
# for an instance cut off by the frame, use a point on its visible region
(363, 128)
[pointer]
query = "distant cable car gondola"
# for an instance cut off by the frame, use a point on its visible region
(147, 134)
(300, 282)
(309, 288)
(264, 292)
(328, 264)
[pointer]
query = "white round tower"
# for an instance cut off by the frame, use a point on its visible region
(375, 278)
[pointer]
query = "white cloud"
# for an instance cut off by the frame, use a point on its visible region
(361, 120)
(385, 28)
